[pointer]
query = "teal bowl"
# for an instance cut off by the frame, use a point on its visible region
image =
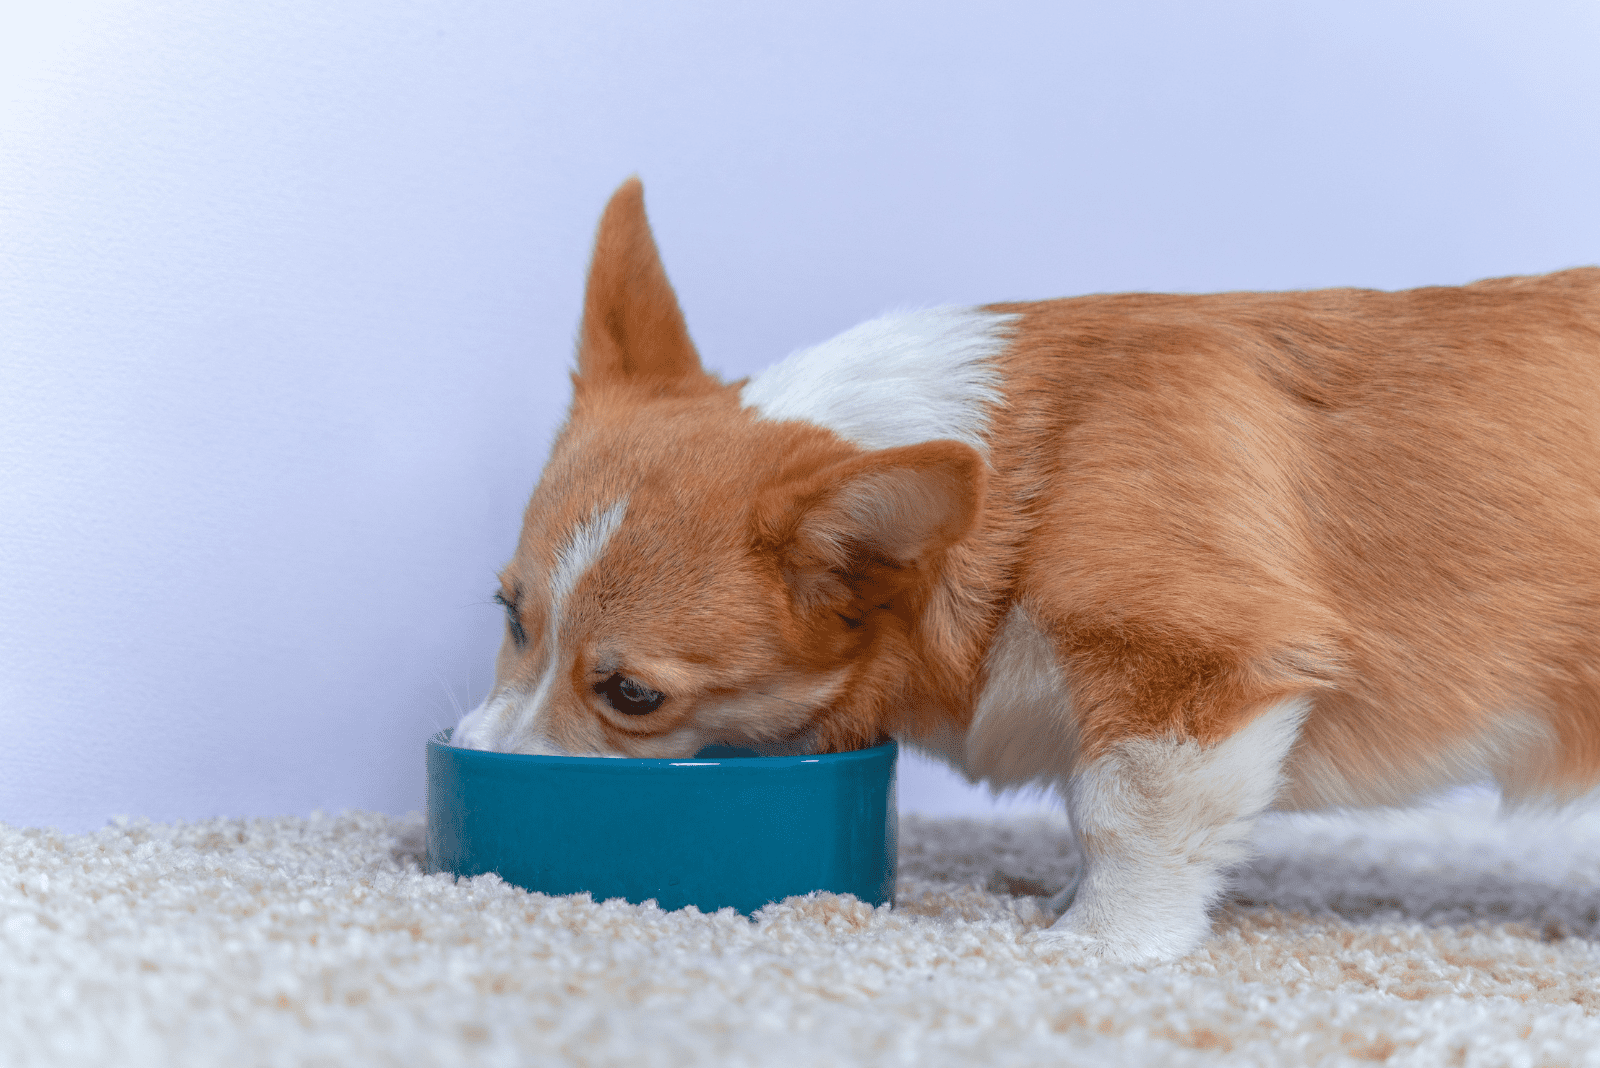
(717, 831)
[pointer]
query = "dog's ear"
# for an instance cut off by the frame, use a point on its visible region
(857, 533)
(632, 328)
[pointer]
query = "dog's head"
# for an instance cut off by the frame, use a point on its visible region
(691, 573)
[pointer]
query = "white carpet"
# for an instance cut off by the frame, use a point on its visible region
(1445, 937)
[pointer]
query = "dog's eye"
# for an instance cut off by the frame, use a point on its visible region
(629, 697)
(518, 635)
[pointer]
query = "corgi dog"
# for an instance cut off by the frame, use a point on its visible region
(1182, 559)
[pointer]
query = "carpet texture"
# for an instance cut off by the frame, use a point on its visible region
(1439, 937)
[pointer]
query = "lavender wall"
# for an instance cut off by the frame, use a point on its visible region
(288, 291)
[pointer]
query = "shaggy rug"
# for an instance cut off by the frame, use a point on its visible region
(1439, 937)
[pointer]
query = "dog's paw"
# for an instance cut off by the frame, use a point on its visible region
(1077, 937)
(1054, 947)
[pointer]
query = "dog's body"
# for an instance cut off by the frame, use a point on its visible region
(1180, 558)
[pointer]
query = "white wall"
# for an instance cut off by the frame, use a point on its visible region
(288, 290)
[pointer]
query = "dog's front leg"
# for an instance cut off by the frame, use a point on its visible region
(1159, 819)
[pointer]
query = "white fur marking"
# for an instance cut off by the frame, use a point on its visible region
(508, 721)
(1022, 728)
(900, 379)
(582, 549)
(1160, 821)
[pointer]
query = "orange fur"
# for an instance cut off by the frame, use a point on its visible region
(1209, 504)
(1384, 498)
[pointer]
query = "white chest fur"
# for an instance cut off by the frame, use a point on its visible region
(1022, 728)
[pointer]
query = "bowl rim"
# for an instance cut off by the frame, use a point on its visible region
(441, 740)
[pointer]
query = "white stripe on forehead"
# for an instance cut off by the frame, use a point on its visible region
(512, 720)
(584, 546)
